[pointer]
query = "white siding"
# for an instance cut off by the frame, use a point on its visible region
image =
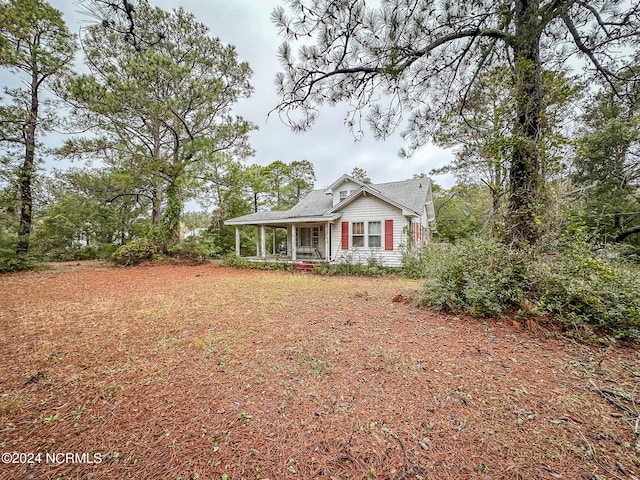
(370, 209)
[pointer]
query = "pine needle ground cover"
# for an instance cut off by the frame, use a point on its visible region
(203, 372)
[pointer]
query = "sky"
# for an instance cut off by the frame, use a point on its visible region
(329, 145)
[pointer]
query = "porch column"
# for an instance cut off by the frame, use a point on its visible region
(257, 241)
(263, 241)
(327, 242)
(237, 241)
(274, 240)
(294, 242)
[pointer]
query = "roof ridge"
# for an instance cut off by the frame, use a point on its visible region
(403, 181)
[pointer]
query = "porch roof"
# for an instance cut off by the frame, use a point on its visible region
(280, 218)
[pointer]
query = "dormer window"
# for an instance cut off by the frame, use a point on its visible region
(343, 194)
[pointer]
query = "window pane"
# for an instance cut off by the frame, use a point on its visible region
(305, 237)
(357, 234)
(375, 241)
(375, 228)
(358, 241)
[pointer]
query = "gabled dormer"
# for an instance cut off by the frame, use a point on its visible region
(343, 188)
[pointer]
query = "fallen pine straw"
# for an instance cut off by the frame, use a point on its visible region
(205, 372)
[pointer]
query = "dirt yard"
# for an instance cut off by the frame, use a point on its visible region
(202, 372)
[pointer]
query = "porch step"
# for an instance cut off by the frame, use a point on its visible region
(304, 266)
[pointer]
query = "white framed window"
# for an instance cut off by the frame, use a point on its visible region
(374, 234)
(343, 194)
(304, 237)
(357, 234)
(308, 236)
(366, 234)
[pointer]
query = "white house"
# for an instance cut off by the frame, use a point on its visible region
(348, 221)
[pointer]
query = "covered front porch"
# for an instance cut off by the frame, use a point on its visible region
(307, 240)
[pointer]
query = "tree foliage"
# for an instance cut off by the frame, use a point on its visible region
(161, 112)
(462, 211)
(360, 174)
(279, 185)
(120, 17)
(480, 129)
(607, 165)
(36, 45)
(407, 62)
(81, 219)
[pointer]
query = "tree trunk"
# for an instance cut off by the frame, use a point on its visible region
(524, 203)
(173, 213)
(623, 235)
(27, 172)
(156, 203)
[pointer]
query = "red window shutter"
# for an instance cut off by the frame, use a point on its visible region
(345, 235)
(388, 234)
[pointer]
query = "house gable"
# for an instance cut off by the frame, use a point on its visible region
(366, 191)
(342, 188)
(372, 228)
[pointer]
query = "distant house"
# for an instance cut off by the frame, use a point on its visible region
(350, 221)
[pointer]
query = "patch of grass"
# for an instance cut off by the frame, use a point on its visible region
(316, 367)
(215, 345)
(52, 418)
(9, 403)
(244, 417)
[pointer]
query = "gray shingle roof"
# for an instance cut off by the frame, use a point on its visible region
(411, 194)
(315, 203)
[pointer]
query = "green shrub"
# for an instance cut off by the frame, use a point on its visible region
(412, 263)
(578, 288)
(10, 261)
(416, 262)
(106, 250)
(102, 251)
(191, 250)
(136, 252)
(233, 261)
(581, 289)
(479, 276)
(372, 268)
(71, 254)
